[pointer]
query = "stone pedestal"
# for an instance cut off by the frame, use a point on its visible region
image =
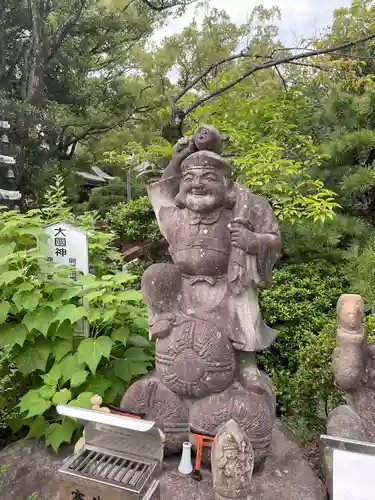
(286, 476)
(29, 468)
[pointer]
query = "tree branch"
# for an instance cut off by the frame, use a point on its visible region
(165, 5)
(269, 63)
(63, 30)
(109, 29)
(208, 70)
(72, 141)
(321, 67)
(282, 79)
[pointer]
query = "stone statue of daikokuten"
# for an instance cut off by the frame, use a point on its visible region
(203, 308)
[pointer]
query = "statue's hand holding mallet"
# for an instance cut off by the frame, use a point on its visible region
(241, 235)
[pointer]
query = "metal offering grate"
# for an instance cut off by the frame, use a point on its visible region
(102, 470)
(113, 469)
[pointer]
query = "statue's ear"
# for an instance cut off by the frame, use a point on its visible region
(179, 201)
(231, 194)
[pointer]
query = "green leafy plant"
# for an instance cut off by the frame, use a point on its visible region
(301, 307)
(134, 221)
(103, 198)
(270, 154)
(41, 310)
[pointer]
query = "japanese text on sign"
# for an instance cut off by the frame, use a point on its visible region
(69, 246)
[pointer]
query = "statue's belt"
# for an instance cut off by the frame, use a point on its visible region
(202, 243)
(211, 280)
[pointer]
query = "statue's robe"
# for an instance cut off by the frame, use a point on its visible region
(220, 281)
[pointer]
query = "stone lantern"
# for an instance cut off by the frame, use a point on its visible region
(8, 196)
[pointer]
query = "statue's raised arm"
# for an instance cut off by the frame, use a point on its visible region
(203, 307)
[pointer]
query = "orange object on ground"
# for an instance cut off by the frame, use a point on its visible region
(201, 441)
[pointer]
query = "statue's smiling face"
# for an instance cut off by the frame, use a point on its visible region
(203, 189)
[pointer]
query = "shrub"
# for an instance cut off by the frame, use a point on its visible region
(329, 241)
(134, 221)
(103, 198)
(313, 388)
(40, 309)
(301, 306)
(315, 392)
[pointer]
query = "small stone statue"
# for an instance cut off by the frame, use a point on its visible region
(96, 402)
(232, 463)
(354, 369)
(203, 309)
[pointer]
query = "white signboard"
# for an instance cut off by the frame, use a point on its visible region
(69, 247)
(353, 476)
(353, 468)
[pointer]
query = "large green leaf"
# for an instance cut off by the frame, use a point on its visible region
(27, 300)
(62, 397)
(83, 400)
(40, 319)
(90, 351)
(6, 249)
(130, 295)
(97, 384)
(139, 368)
(124, 277)
(123, 369)
(56, 434)
(53, 376)
(78, 377)
(60, 348)
(4, 310)
(109, 314)
(116, 385)
(40, 406)
(47, 392)
(94, 295)
(69, 365)
(38, 427)
(73, 291)
(11, 334)
(95, 314)
(33, 404)
(72, 313)
(138, 341)
(135, 362)
(137, 354)
(25, 287)
(121, 335)
(33, 357)
(28, 399)
(10, 276)
(141, 323)
(64, 331)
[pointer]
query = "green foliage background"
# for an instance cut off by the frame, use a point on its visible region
(44, 360)
(134, 221)
(302, 135)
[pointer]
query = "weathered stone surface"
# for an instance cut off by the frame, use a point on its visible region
(286, 476)
(203, 307)
(354, 369)
(232, 462)
(29, 468)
